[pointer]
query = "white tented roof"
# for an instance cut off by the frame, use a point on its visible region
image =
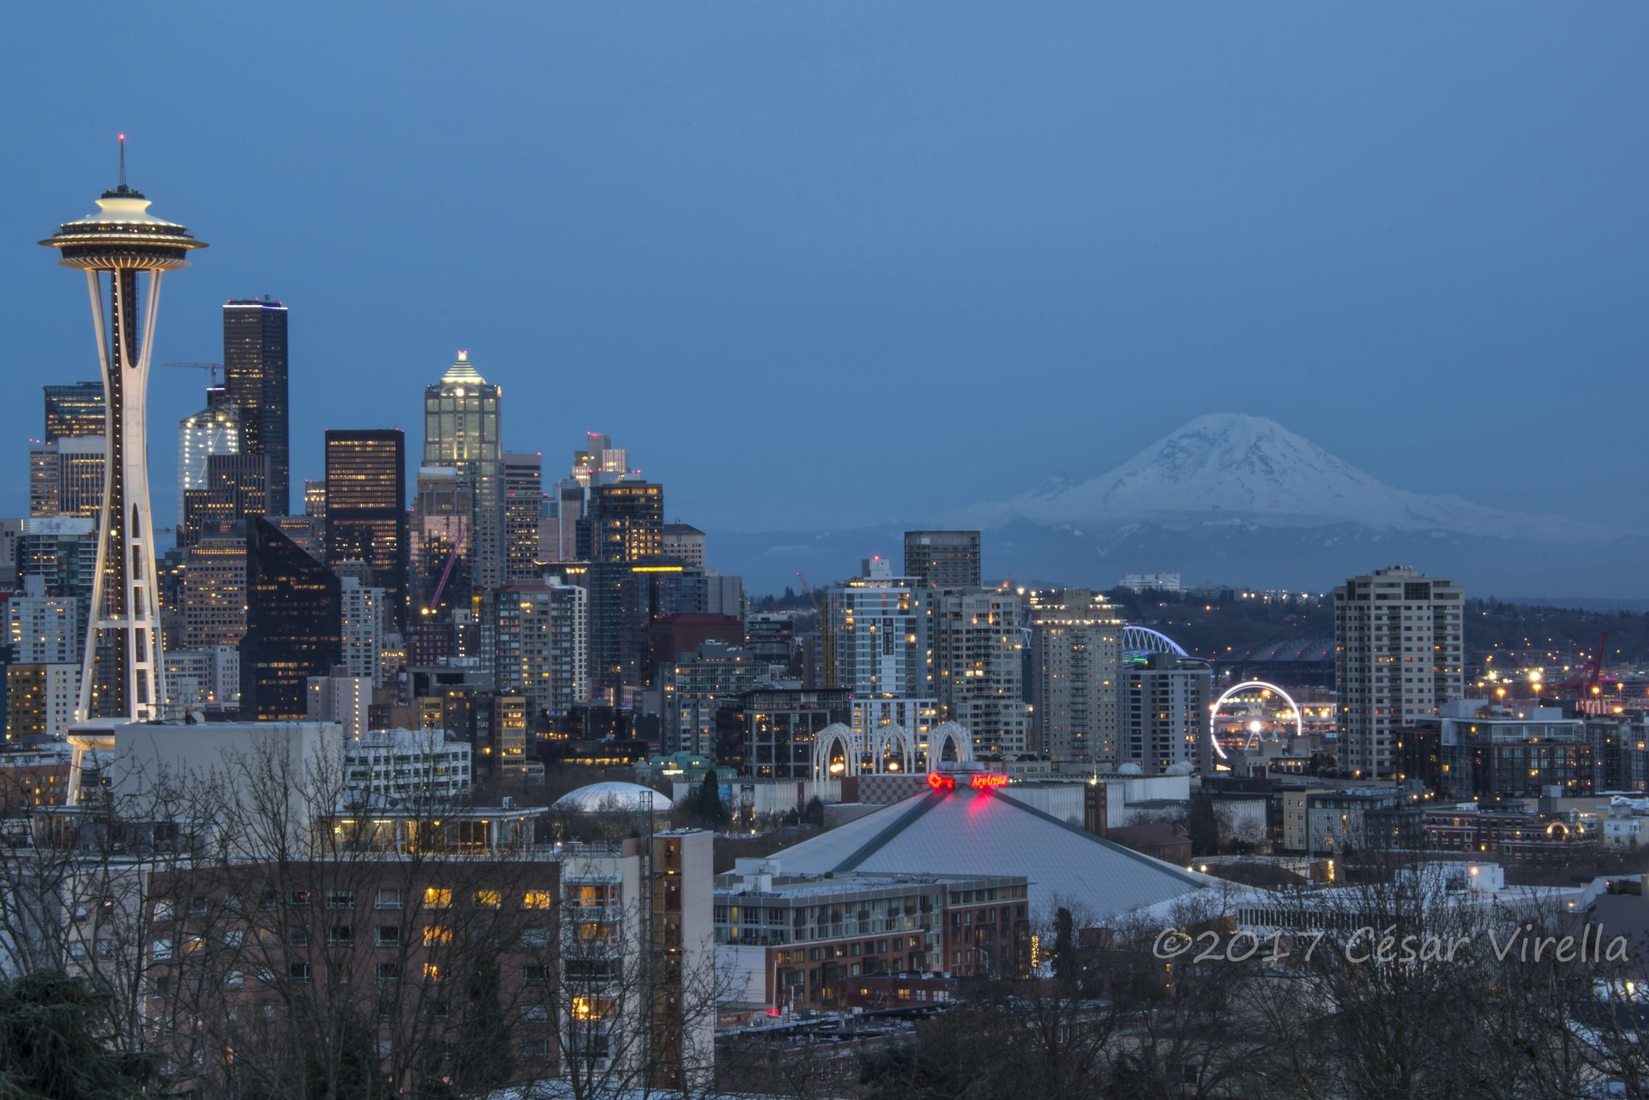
(968, 832)
(616, 797)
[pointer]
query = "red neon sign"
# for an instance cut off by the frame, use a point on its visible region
(979, 782)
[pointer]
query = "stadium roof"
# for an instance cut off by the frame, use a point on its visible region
(988, 832)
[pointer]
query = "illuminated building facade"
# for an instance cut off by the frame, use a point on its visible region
(879, 645)
(66, 476)
(366, 517)
(1076, 655)
(76, 409)
(1398, 657)
(255, 376)
(461, 432)
(214, 430)
(523, 480)
(118, 247)
(541, 637)
(1166, 701)
(979, 651)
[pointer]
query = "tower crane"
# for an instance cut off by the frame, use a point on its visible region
(211, 368)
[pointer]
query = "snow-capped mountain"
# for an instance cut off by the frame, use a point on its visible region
(1238, 500)
(1231, 467)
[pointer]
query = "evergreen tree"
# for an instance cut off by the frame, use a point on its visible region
(709, 808)
(1065, 948)
(1203, 825)
(814, 813)
(51, 1044)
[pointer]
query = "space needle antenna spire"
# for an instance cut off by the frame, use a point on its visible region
(123, 250)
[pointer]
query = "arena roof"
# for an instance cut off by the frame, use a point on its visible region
(988, 832)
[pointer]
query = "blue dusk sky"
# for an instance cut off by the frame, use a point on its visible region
(813, 262)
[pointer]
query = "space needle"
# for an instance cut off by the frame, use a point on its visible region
(121, 675)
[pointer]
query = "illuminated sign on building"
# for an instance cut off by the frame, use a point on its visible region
(980, 781)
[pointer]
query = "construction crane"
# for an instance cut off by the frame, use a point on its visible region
(1586, 683)
(811, 593)
(211, 368)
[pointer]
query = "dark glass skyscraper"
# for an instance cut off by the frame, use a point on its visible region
(254, 372)
(294, 625)
(75, 409)
(622, 538)
(366, 507)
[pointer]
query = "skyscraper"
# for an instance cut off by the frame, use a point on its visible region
(122, 241)
(214, 430)
(1398, 657)
(366, 520)
(66, 476)
(540, 645)
(943, 559)
(523, 508)
(74, 409)
(293, 626)
(254, 374)
(621, 537)
(878, 645)
(461, 431)
(1076, 654)
(979, 653)
(365, 619)
(235, 487)
(1165, 700)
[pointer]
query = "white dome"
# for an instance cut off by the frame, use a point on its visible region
(1130, 768)
(615, 797)
(1182, 768)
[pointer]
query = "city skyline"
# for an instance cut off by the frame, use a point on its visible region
(1262, 249)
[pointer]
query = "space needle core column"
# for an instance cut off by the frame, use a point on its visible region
(121, 675)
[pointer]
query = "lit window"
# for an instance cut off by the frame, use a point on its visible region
(437, 897)
(537, 899)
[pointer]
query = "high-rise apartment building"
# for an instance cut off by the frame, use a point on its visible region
(214, 430)
(878, 635)
(1398, 657)
(523, 509)
(878, 644)
(697, 688)
(1076, 654)
(41, 629)
(1165, 700)
(255, 376)
(541, 638)
(365, 621)
(979, 657)
(75, 409)
(943, 559)
(366, 521)
(40, 700)
(461, 431)
(622, 537)
(293, 626)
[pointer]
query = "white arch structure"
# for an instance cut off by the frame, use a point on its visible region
(1237, 689)
(887, 749)
(1142, 639)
